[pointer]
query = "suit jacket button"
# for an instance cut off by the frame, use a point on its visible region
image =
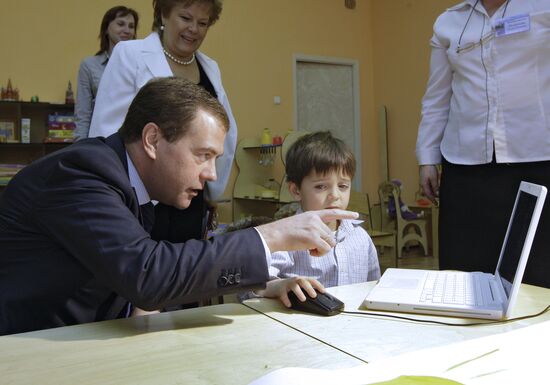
(222, 280)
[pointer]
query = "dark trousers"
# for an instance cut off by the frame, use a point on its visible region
(475, 207)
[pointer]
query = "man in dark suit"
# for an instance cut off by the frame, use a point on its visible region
(73, 248)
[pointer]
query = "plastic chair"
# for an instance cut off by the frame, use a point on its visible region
(407, 230)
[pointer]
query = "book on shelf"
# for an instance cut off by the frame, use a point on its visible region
(8, 171)
(60, 128)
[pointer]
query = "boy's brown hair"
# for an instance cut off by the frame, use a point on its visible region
(320, 152)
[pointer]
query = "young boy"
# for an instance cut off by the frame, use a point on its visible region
(319, 171)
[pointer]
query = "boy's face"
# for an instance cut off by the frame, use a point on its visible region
(317, 192)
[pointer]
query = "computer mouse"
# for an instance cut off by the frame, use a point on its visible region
(323, 304)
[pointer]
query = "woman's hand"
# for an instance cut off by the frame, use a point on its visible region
(429, 180)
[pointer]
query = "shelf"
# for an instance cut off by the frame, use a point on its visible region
(253, 175)
(262, 146)
(37, 112)
(272, 200)
(35, 144)
(38, 104)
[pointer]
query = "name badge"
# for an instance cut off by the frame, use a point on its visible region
(512, 24)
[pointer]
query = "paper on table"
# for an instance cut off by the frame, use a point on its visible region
(353, 376)
(519, 356)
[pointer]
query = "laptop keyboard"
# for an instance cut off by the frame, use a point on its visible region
(456, 288)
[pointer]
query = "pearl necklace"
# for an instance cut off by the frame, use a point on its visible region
(178, 61)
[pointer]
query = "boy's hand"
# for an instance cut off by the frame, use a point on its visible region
(279, 288)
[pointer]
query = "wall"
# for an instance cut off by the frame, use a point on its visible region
(253, 42)
(401, 33)
(255, 54)
(43, 43)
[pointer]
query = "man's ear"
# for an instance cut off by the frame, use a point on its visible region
(294, 191)
(150, 136)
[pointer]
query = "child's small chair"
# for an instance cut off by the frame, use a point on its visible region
(408, 230)
(360, 203)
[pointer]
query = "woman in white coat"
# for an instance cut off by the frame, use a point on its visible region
(179, 28)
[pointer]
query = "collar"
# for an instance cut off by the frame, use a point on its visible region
(152, 43)
(137, 183)
(471, 3)
(347, 226)
(153, 56)
(156, 61)
(465, 3)
(104, 58)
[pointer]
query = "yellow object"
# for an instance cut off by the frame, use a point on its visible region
(267, 139)
(418, 380)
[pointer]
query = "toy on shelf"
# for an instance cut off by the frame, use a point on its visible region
(9, 93)
(69, 94)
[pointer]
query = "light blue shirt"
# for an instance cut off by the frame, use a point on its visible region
(136, 182)
(352, 260)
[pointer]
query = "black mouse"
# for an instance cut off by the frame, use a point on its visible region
(323, 304)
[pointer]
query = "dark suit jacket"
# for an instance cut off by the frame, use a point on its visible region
(73, 250)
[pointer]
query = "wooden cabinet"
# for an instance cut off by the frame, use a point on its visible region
(25, 153)
(36, 112)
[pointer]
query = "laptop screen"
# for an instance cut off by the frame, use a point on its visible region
(517, 233)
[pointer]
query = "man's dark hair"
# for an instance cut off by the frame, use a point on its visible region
(320, 152)
(171, 103)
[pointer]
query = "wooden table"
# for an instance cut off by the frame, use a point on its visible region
(228, 344)
(372, 338)
(223, 344)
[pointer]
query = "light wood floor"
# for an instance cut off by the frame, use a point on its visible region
(413, 258)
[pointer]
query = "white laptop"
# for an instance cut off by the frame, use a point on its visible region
(462, 294)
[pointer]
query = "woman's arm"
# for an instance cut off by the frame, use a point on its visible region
(116, 91)
(84, 101)
(435, 114)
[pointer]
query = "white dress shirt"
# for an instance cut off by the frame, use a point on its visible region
(494, 95)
